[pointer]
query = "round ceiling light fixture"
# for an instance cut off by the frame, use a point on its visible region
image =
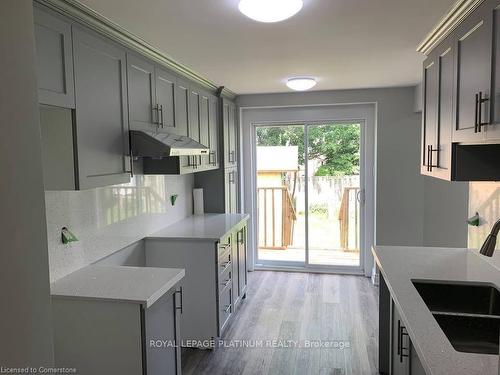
(270, 10)
(301, 83)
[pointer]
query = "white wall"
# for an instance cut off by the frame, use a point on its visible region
(25, 314)
(399, 186)
(108, 219)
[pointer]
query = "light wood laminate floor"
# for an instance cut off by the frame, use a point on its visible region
(297, 309)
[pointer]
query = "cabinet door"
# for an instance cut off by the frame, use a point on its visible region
(101, 111)
(161, 323)
(242, 262)
(429, 118)
(473, 56)
(441, 152)
(54, 60)
(229, 133)
(204, 128)
(231, 191)
(181, 107)
(232, 134)
(492, 131)
(213, 128)
(416, 367)
(399, 345)
(165, 98)
(194, 122)
(143, 112)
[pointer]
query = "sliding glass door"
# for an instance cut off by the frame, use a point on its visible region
(309, 195)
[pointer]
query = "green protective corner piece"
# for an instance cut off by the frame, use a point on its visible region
(173, 198)
(474, 220)
(67, 237)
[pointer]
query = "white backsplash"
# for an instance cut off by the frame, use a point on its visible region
(107, 219)
(484, 198)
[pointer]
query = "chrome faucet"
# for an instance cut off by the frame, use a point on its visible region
(491, 241)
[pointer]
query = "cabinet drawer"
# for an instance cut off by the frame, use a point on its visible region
(225, 260)
(225, 278)
(224, 247)
(225, 308)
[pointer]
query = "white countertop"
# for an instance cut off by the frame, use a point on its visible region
(142, 285)
(202, 227)
(399, 265)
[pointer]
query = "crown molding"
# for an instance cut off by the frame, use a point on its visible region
(103, 25)
(455, 15)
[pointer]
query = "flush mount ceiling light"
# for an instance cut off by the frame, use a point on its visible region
(301, 83)
(270, 10)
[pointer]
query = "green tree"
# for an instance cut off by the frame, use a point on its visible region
(336, 147)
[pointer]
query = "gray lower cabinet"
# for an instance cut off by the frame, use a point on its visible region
(404, 358)
(101, 111)
(54, 59)
(108, 337)
(215, 281)
(397, 356)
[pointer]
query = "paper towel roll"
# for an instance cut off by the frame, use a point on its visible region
(198, 202)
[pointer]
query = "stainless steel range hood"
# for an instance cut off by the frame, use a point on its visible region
(160, 145)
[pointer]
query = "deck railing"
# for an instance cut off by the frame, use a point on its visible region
(276, 213)
(349, 214)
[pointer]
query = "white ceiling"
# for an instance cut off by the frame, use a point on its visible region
(344, 43)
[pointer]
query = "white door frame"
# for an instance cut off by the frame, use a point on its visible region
(320, 113)
(306, 265)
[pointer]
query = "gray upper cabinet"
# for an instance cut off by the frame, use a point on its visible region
(492, 131)
(437, 118)
(213, 129)
(54, 60)
(165, 99)
(204, 127)
(151, 95)
(101, 111)
(143, 112)
(473, 75)
(229, 133)
(181, 107)
(461, 119)
(429, 115)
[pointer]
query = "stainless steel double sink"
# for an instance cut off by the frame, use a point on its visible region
(468, 313)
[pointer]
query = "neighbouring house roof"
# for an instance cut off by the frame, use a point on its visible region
(277, 158)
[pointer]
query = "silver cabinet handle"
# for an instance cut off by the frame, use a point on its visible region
(480, 100)
(161, 116)
(155, 114)
(226, 283)
(231, 177)
(227, 309)
(181, 294)
(214, 154)
(226, 265)
(231, 157)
